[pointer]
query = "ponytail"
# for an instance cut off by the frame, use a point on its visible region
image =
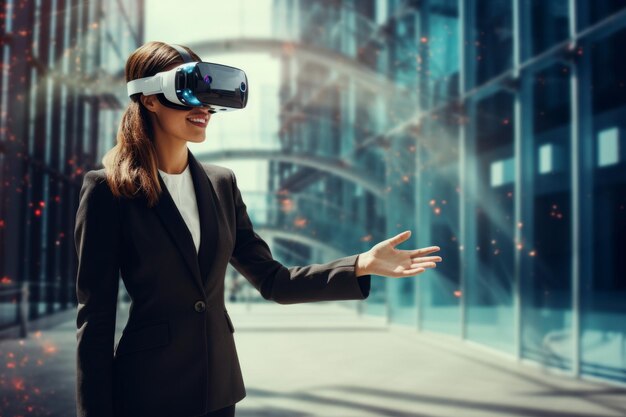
(131, 165)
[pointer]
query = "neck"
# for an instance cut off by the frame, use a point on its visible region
(172, 155)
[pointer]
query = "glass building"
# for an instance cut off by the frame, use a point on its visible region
(57, 120)
(491, 128)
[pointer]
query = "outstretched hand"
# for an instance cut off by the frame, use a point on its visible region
(385, 260)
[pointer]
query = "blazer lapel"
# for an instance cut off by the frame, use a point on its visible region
(209, 223)
(199, 263)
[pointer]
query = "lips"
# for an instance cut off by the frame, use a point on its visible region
(198, 120)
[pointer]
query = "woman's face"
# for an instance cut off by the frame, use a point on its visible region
(186, 125)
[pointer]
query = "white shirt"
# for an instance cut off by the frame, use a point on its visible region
(180, 186)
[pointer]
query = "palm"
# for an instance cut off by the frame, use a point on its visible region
(386, 260)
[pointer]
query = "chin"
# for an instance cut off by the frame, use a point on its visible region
(198, 139)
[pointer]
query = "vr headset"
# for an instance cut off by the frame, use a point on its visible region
(196, 84)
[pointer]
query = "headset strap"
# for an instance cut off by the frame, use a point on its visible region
(183, 53)
(152, 85)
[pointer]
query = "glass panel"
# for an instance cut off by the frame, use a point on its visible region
(488, 298)
(603, 291)
(491, 38)
(547, 23)
(590, 12)
(546, 283)
(439, 213)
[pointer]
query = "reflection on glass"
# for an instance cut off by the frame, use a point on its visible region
(603, 292)
(546, 287)
(489, 292)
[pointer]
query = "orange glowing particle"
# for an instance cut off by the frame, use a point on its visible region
(405, 178)
(42, 204)
(424, 39)
(458, 294)
(432, 202)
(37, 212)
(5, 280)
(532, 253)
(287, 204)
(38, 334)
(50, 349)
(437, 211)
(366, 238)
(10, 365)
(519, 246)
(18, 384)
(300, 222)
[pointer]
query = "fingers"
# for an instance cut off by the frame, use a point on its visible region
(426, 259)
(397, 239)
(411, 272)
(424, 265)
(423, 251)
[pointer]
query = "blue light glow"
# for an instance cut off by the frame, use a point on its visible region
(188, 97)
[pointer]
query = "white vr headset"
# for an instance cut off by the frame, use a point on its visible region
(196, 84)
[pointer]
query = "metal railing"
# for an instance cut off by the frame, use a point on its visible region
(18, 295)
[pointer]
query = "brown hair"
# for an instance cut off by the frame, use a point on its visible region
(131, 165)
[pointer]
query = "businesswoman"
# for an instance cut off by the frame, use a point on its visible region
(170, 225)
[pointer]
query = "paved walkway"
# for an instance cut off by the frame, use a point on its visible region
(320, 359)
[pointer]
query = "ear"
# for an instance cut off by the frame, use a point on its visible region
(149, 102)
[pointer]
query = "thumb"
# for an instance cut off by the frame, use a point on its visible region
(397, 239)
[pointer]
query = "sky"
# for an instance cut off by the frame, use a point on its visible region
(256, 125)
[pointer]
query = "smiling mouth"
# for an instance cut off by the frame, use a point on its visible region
(198, 121)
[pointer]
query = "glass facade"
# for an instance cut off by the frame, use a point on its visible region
(57, 119)
(496, 131)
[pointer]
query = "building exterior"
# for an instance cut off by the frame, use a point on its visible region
(496, 130)
(57, 120)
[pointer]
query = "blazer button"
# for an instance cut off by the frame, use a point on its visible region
(200, 306)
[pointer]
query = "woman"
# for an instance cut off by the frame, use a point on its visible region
(171, 225)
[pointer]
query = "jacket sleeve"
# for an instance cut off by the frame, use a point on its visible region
(334, 280)
(96, 236)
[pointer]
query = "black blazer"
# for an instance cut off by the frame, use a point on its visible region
(176, 356)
